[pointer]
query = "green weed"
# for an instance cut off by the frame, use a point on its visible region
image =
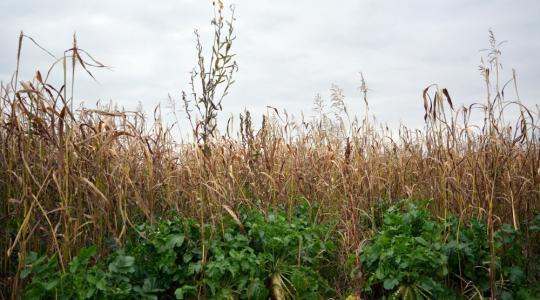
(271, 254)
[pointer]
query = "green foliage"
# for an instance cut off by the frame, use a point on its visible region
(78, 282)
(469, 257)
(295, 249)
(182, 259)
(406, 257)
(234, 268)
(416, 257)
(290, 256)
(468, 253)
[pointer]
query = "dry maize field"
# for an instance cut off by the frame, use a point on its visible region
(104, 203)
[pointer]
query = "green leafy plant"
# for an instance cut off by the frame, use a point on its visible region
(467, 249)
(294, 251)
(406, 257)
(272, 255)
(287, 255)
(468, 253)
(78, 282)
(234, 268)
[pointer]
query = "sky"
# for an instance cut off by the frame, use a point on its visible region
(287, 51)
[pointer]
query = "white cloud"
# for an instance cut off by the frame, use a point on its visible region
(287, 50)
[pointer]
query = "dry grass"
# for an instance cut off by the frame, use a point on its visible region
(73, 177)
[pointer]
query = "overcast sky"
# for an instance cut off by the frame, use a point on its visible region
(287, 51)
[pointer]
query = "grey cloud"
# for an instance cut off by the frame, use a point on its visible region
(288, 51)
